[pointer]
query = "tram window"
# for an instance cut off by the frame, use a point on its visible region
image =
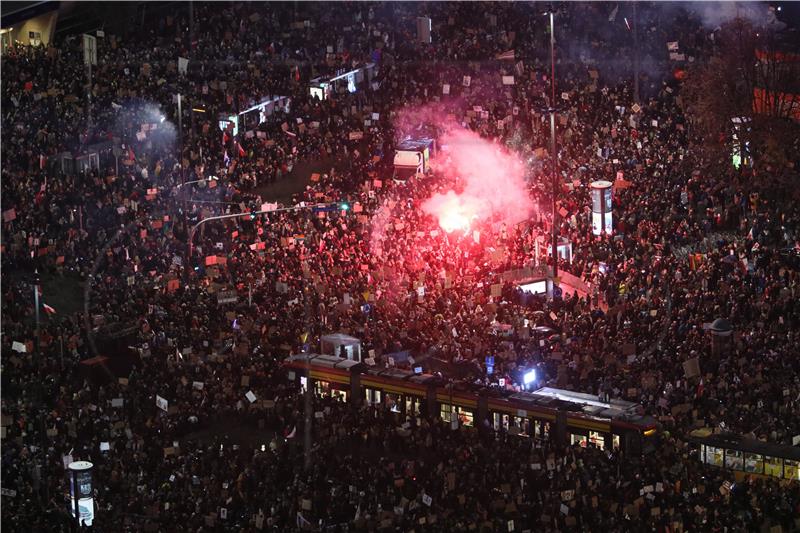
(393, 402)
(303, 383)
(615, 442)
(733, 459)
(541, 429)
(339, 394)
(445, 412)
(714, 456)
(497, 421)
(523, 425)
(466, 417)
(597, 439)
(754, 462)
(322, 388)
(773, 466)
(412, 405)
(578, 439)
(504, 419)
(373, 396)
(791, 469)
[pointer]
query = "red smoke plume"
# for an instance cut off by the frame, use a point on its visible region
(493, 181)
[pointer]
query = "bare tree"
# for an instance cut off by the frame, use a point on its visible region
(745, 77)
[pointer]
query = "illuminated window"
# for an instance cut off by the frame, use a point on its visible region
(714, 456)
(373, 396)
(339, 394)
(597, 439)
(578, 439)
(523, 425)
(773, 466)
(393, 402)
(615, 442)
(754, 463)
(322, 388)
(541, 429)
(445, 412)
(412, 405)
(733, 459)
(791, 469)
(466, 417)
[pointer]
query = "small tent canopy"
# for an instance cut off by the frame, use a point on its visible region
(341, 345)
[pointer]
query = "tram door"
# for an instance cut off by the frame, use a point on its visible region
(465, 417)
(413, 405)
(541, 429)
(373, 396)
(515, 425)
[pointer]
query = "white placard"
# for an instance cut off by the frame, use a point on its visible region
(162, 403)
(250, 396)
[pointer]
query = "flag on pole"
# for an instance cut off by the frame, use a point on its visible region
(226, 159)
(241, 150)
(48, 309)
(613, 14)
(291, 434)
(700, 387)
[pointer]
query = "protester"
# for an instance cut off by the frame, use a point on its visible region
(123, 227)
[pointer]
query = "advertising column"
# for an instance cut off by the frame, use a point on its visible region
(81, 502)
(601, 207)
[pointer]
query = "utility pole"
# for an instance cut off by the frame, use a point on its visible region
(191, 56)
(89, 100)
(36, 282)
(180, 135)
(553, 153)
(635, 56)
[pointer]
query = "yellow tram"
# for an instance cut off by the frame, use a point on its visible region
(563, 416)
(747, 457)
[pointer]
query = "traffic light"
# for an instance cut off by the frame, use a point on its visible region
(252, 215)
(344, 206)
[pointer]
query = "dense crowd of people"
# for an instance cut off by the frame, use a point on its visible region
(383, 271)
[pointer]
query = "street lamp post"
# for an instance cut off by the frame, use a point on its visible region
(249, 214)
(553, 154)
(208, 179)
(635, 55)
(36, 282)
